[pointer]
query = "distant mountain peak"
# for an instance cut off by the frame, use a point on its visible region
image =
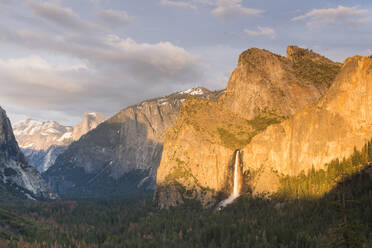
(90, 121)
(195, 91)
(40, 135)
(43, 141)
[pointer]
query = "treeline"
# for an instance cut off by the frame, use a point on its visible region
(328, 208)
(316, 183)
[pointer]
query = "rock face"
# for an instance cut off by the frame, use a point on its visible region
(264, 89)
(198, 153)
(16, 176)
(89, 122)
(43, 142)
(318, 134)
(43, 159)
(122, 154)
(266, 82)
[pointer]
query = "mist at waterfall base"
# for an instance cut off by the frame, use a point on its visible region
(235, 193)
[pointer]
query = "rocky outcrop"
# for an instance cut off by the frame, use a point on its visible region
(43, 142)
(90, 121)
(16, 176)
(331, 129)
(264, 89)
(266, 82)
(129, 143)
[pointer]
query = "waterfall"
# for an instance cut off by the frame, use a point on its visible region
(235, 193)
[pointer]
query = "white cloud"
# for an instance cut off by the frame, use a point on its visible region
(261, 31)
(37, 72)
(36, 82)
(115, 17)
(5, 2)
(208, 2)
(151, 61)
(62, 17)
(96, 70)
(225, 9)
(179, 4)
(116, 71)
(229, 9)
(142, 62)
(341, 14)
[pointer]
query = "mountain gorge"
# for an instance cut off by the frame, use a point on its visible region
(122, 154)
(264, 89)
(43, 142)
(17, 178)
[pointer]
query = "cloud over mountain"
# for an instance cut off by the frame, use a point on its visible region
(340, 15)
(115, 17)
(179, 4)
(228, 9)
(261, 31)
(99, 68)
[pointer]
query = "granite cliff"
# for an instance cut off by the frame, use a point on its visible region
(17, 178)
(331, 129)
(264, 89)
(266, 82)
(90, 121)
(120, 156)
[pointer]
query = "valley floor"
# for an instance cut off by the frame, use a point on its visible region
(324, 208)
(250, 222)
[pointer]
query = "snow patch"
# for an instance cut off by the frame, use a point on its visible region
(66, 136)
(52, 130)
(193, 91)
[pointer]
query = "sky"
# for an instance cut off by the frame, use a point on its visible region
(61, 58)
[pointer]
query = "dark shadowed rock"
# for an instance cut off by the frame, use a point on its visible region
(16, 176)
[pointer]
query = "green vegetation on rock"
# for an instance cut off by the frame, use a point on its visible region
(312, 67)
(317, 183)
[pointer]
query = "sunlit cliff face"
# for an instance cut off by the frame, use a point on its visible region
(265, 89)
(237, 183)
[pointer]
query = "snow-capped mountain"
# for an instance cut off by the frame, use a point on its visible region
(196, 91)
(38, 135)
(42, 142)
